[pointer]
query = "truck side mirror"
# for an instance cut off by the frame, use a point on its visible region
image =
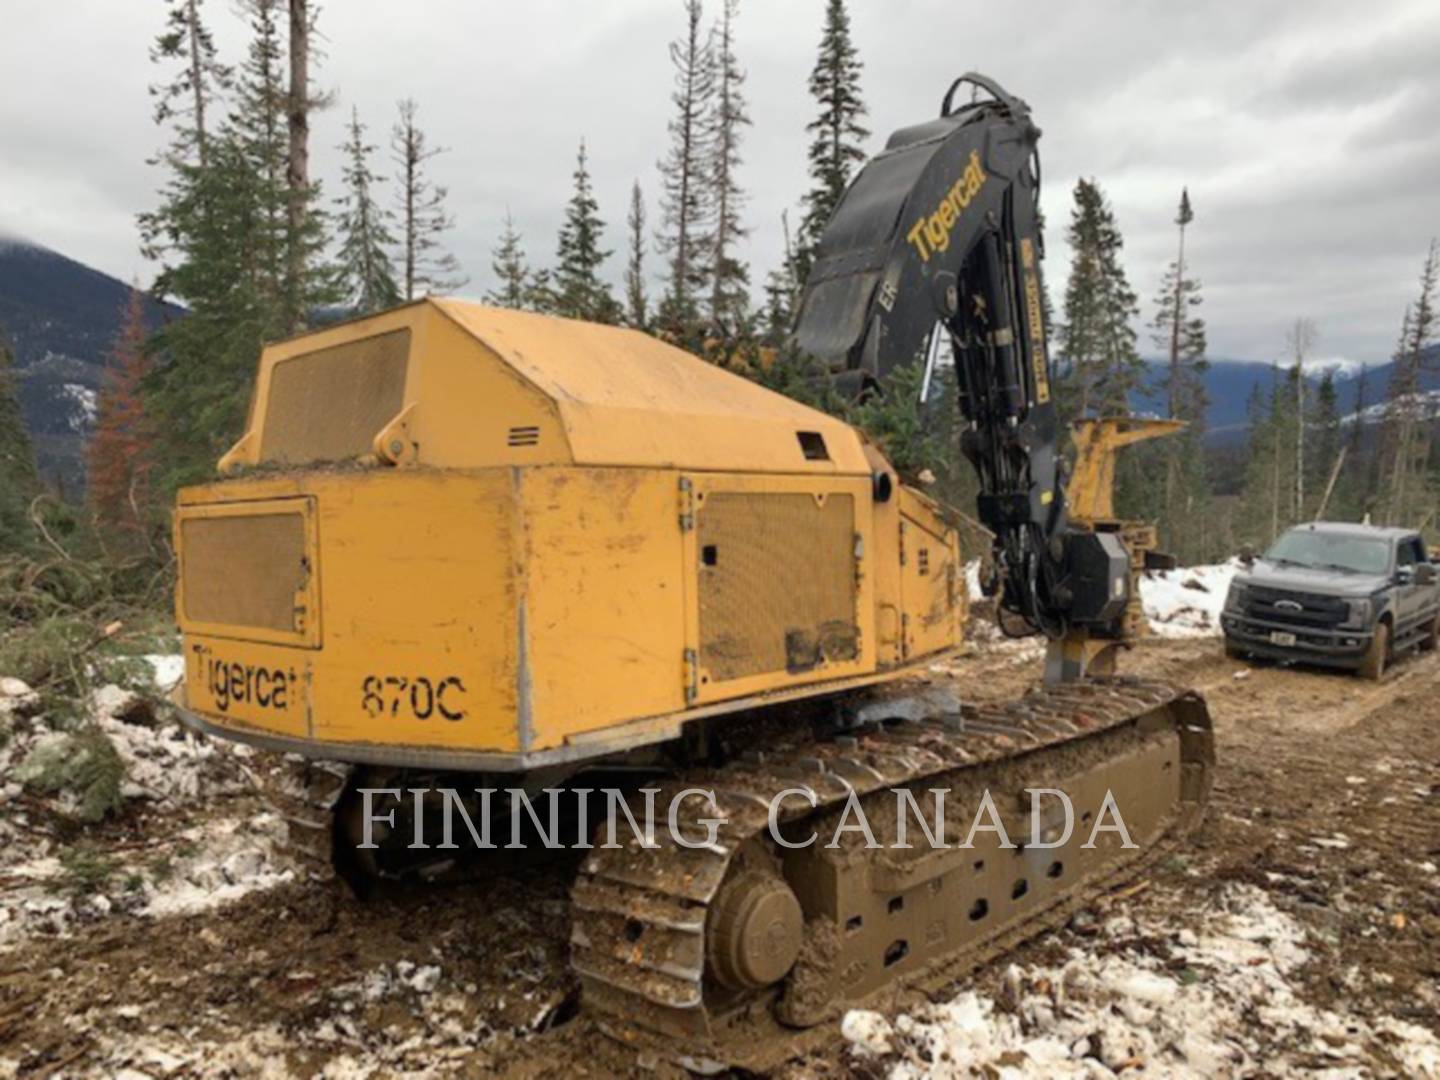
(1425, 573)
(1405, 575)
(1247, 554)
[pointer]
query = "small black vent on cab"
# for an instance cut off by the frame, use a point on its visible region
(524, 436)
(812, 444)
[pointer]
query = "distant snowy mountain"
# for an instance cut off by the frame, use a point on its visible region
(62, 317)
(1229, 383)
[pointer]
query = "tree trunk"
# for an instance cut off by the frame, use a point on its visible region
(298, 177)
(197, 86)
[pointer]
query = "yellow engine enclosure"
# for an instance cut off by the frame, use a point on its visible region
(463, 537)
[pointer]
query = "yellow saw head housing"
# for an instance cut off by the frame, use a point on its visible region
(454, 536)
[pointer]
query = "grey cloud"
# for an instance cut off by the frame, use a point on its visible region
(1304, 129)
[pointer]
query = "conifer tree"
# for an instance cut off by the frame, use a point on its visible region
(1179, 330)
(1254, 517)
(120, 453)
(579, 291)
(426, 267)
(729, 278)
(308, 282)
(1300, 342)
(778, 316)
(220, 236)
(781, 292)
(258, 125)
(19, 482)
(637, 303)
(512, 271)
(186, 99)
(1101, 363)
(366, 273)
(1407, 483)
(685, 207)
(1325, 423)
(837, 148)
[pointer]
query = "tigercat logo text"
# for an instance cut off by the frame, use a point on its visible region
(931, 233)
(233, 683)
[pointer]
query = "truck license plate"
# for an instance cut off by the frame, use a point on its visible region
(1280, 637)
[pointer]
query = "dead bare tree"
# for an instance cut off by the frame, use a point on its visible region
(423, 218)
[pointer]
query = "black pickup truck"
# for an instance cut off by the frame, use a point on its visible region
(1349, 596)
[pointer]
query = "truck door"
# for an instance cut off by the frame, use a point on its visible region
(1412, 598)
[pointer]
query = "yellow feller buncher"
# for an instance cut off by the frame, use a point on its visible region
(483, 549)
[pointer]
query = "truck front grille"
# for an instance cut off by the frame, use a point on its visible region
(1296, 608)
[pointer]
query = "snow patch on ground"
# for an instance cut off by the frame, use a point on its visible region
(1181, 603)
(1186, 602)
(169, 670)
(195, 870)
(352, 1020)
(1205, 992)
(223, 861)
(50, 879)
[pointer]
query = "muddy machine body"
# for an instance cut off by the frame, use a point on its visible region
(462, 542)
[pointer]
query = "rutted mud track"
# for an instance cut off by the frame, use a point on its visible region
(1327, 798)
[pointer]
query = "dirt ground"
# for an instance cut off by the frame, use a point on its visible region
(1327, 805)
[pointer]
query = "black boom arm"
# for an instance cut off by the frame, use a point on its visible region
(940, 233)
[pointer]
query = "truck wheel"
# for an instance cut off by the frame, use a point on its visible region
(1372, 665)
(1233, 651)
(1431, 641)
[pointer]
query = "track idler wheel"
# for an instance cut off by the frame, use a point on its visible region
(756, 928)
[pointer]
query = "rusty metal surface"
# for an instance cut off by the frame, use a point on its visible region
(640, 916)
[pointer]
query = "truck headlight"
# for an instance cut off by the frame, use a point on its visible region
(1359, 616)
(1235, 598)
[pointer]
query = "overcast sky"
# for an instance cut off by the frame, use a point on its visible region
(1308, 132)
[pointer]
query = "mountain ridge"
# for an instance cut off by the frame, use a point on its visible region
(61, 317)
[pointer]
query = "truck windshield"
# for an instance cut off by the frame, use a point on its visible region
(1331, 551)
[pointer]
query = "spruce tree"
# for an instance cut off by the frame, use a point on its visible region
(512, 272)
(426, 267)
(729, 277)
(310, 280)
(1325, 423)
(781, 292)
(1179, 331)
(1407, 487)
(1300, 343)
(579, 291)
(837, 148)
(198, 84)
(1254, 518)
(19, 482)
(637, 304)
(120, 455)
(258, 126)
(1355, 488)
(1101, 364)
(220, 235)
(685, 207)
(366, 273)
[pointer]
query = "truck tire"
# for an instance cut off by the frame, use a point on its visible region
(1431, 641)
(1372, 665)
(1233, 651)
